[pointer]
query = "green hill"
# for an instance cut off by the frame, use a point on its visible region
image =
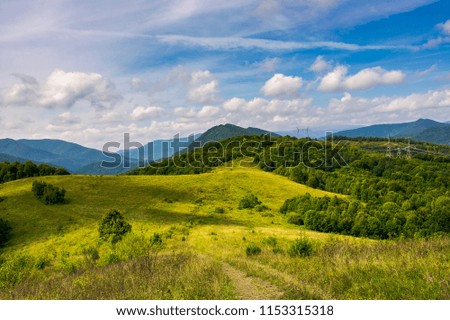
(191, 240)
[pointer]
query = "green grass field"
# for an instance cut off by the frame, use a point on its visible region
(55, 252)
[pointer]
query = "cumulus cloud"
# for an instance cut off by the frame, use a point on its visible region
(202, 87)
(141, 113)
(234, 104)
(320, 65)
(337, 80)
(282, 86)
(445, 27)
(62, 89)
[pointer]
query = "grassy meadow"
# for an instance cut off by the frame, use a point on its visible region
(55, 251)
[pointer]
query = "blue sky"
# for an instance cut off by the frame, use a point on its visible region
(89, 71)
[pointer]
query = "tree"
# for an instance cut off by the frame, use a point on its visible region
(113, 227)
(249, 201)
(48, 193)
(5, 231)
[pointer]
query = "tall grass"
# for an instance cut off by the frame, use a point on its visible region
(337, 269)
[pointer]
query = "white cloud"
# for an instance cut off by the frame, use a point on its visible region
(234, 104)
(66, 118)
(233, 43)
(202, 87)
(62, 89)
(338, 80)
(208, 112)
(136, 82)
(320, 65)
(282, 86)
(445, 27)
(269, 65)
(141, 113)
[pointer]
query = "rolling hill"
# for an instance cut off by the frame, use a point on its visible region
(207, 246)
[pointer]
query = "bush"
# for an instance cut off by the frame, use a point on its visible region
(5, 231)
(302, 247)
(113, 227)
(249, 201)
(48, 193)
(219, 210)
(156, 240)
(261, 207)
(270, 241)
(252, 250)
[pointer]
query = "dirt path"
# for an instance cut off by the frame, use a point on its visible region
(251, 288)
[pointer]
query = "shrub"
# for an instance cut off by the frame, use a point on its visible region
(113, 227)
(252, 250)
(156, 240)
(5, 231)
(48, 193)
(302, 247)
(261, 207)
(270, 241)
(249, 201)
(219, 210)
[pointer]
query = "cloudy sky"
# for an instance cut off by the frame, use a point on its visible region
(90, 71)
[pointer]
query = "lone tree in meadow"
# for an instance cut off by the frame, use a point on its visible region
(113, 227)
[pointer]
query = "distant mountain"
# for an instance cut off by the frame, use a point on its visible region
(439, 134)
(9, 158)
(422, 130)
(225, 131)
(54, 152)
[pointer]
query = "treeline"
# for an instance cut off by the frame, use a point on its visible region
(17, 170)
(353, 217)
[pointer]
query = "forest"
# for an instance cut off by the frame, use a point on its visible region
(16, 170)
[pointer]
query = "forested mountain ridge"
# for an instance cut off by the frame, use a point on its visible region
(423, 130)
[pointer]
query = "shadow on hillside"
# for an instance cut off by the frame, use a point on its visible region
(173, 217)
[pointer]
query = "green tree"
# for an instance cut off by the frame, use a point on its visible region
(113, 227)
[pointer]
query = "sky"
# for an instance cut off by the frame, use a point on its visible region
(90, 71)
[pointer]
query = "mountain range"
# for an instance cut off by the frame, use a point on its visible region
(82, 160)
(421, 130)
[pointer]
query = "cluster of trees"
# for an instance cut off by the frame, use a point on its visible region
(379, 221)
(17, 170)
(48, 193)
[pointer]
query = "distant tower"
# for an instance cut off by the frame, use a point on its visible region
(408, 151)
(389, 148)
